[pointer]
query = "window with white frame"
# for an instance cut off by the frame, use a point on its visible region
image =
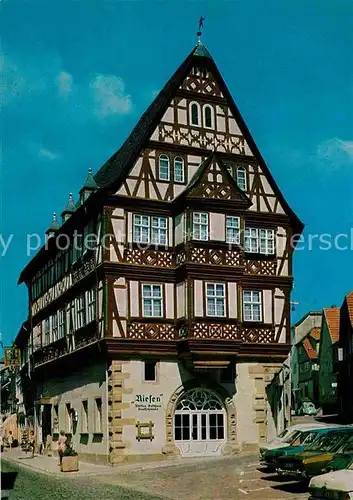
(54, 326)
(141, 228)
(91, 305)
(251, 240)
(179, 175)
(62, 323)
(148, 229)
(80, 312)
(267, 241)
(208, 116)
(200, 226)
(259, 241)
(46, 331)
(241, 178)
(232, 229)
(194, 114)
(164, 168)
(159, 231)
(215, 299)
(152, 301)
(252, 305)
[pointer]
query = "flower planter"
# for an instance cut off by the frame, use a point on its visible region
(69, 464)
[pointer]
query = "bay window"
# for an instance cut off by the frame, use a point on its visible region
(232, 229)
(152, 301)
(259, 241)
(148, 229)
(91, 305)
(215, 299)
(80, 312)
(62, 323)
(252, 305)
(200, 226)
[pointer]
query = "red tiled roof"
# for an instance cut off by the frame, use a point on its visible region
(315, 333)
(333, 322)
(311, 352)
(349, 299)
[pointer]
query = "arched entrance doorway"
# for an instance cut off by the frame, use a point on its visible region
(200, 423)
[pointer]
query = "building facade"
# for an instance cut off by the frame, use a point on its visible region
(328, 361)
(304, 359)
(345, 359)
(162, 333)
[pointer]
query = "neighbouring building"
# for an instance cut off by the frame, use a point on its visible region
(304, 359)
(345, 359)
(163, 337)
(329, 338)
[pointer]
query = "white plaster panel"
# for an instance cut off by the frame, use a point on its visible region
(217, 227)
(134, 298)
(179, 229)
(267, 306)
(232, 300)
(168, 115)
(198, 298)
(169, 298)
(180, 294)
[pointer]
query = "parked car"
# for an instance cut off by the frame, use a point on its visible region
(341, 460)
(315, 457)
(307, 408)
(288, 436)
(338, 484)
(302, 439)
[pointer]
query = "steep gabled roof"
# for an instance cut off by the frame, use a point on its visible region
(309, 349)
(332, 316)
(349, 300)
(113, 172)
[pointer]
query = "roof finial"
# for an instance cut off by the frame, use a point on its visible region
(199, 33)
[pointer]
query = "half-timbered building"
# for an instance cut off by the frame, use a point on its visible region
(159, 309)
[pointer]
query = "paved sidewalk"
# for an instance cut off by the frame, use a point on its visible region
(49, 465)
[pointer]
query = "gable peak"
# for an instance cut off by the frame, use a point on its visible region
(201, 51)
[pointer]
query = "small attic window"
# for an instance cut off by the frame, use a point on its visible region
(195, 113)
(241, 178)
(208, 116)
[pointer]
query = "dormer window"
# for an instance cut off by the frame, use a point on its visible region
(164, 168)
(208, 116)
(178, 169)
(241, 178)
(195, 114)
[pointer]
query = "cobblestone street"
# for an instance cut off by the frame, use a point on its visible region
(211, 479)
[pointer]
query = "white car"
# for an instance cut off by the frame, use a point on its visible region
(335, 485)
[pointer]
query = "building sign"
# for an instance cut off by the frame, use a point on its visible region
(12, 356)
(148, 402)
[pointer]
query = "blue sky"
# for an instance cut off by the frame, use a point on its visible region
(77, 75)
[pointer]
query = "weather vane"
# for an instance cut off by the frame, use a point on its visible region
(199, 33)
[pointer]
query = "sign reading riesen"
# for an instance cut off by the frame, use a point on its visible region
(148, 402)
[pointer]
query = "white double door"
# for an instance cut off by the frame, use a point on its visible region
(199, 433)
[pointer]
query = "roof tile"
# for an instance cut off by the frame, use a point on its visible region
(311, 352)
(349, 299)
(332, 315)
(315, 333)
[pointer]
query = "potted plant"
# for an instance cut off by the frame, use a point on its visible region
(69, 460)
